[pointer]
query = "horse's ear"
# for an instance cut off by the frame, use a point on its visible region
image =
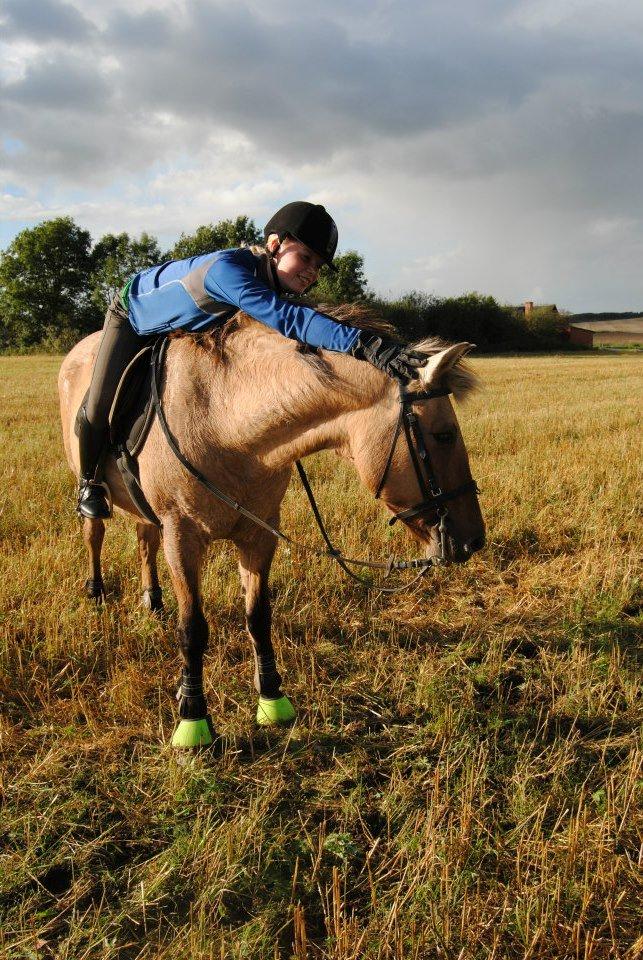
(441, 362)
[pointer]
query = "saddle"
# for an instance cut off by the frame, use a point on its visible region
(130, 419)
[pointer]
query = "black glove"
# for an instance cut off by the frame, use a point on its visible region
(396, 360)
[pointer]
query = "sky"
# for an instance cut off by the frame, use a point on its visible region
(489, 145)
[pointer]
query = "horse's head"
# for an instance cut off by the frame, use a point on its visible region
(418, 461)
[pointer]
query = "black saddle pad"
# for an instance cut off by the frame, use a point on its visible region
(133, 409)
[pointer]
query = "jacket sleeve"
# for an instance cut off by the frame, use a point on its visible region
(231, 278)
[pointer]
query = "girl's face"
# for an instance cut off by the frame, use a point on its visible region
(296, 264)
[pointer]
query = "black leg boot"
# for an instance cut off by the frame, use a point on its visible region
(94, 500)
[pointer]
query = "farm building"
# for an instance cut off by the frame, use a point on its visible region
(594, 333)
(529, 308)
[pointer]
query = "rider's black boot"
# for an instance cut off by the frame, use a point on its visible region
(94, 500)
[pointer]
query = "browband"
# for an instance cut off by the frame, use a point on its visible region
(413, 396)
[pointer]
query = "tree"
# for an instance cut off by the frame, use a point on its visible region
(44, 283)
(472, 316)
(344, 285)
(545, 325)
(116, 257)
(216, 236)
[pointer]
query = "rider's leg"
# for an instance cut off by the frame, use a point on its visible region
(119, 345)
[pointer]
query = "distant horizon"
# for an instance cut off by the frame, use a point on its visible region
(623, 314)
(168, 243)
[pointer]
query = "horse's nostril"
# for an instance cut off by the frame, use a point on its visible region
(473, 545)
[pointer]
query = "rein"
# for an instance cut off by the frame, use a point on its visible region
(429, 487)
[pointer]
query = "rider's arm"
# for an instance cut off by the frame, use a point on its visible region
(231, 278)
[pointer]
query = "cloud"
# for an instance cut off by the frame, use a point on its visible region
(306, 87)
(454, 92)
(302, 90)
(64, 82)
(44, 21)
(507, 131)
(612, 228)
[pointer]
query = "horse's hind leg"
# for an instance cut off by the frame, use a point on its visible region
(254, 569)
(183, 552)
(149, 541)
(93, 535)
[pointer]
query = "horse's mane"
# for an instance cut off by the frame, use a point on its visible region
(359, 315)
(460, 378)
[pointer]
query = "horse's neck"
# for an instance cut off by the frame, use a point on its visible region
(273, 404)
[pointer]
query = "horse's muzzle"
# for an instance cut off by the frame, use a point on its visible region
(472, 546)
(456, 551)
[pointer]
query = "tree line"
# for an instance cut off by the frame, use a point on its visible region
(55, 285)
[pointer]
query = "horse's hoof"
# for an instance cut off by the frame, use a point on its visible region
(191, 734)
(95, 590)
(152, 599)
(279, 711)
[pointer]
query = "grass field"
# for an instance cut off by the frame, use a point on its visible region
(464, 779)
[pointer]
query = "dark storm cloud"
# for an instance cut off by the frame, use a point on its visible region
(139, 31)
(459, 92)
(62, 82)
(43, 21)
(501, 138)
(308, 85)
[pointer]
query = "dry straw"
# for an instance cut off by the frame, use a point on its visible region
(464, 780)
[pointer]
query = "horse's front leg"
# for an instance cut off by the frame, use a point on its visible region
(184, 552)
(254, 569)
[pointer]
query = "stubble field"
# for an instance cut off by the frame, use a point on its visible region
(464, 779)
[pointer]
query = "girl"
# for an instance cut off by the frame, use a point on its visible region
(201, 292)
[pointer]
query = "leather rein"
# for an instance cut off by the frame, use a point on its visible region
(434, 497)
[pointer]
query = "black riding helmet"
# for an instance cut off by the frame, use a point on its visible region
(310, 223)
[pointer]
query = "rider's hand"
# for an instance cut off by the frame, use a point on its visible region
(396, 360)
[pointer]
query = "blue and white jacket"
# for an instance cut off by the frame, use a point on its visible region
(202, 292)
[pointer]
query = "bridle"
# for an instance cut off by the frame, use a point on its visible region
(434, 497)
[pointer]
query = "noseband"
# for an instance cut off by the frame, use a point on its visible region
(434, 497)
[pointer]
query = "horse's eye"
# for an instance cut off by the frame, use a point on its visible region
(445, 438)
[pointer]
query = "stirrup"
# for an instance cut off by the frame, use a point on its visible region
(94, 500)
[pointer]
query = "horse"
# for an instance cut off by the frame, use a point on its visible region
(245, 403)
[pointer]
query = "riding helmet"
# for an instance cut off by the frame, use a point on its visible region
(310, 223)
